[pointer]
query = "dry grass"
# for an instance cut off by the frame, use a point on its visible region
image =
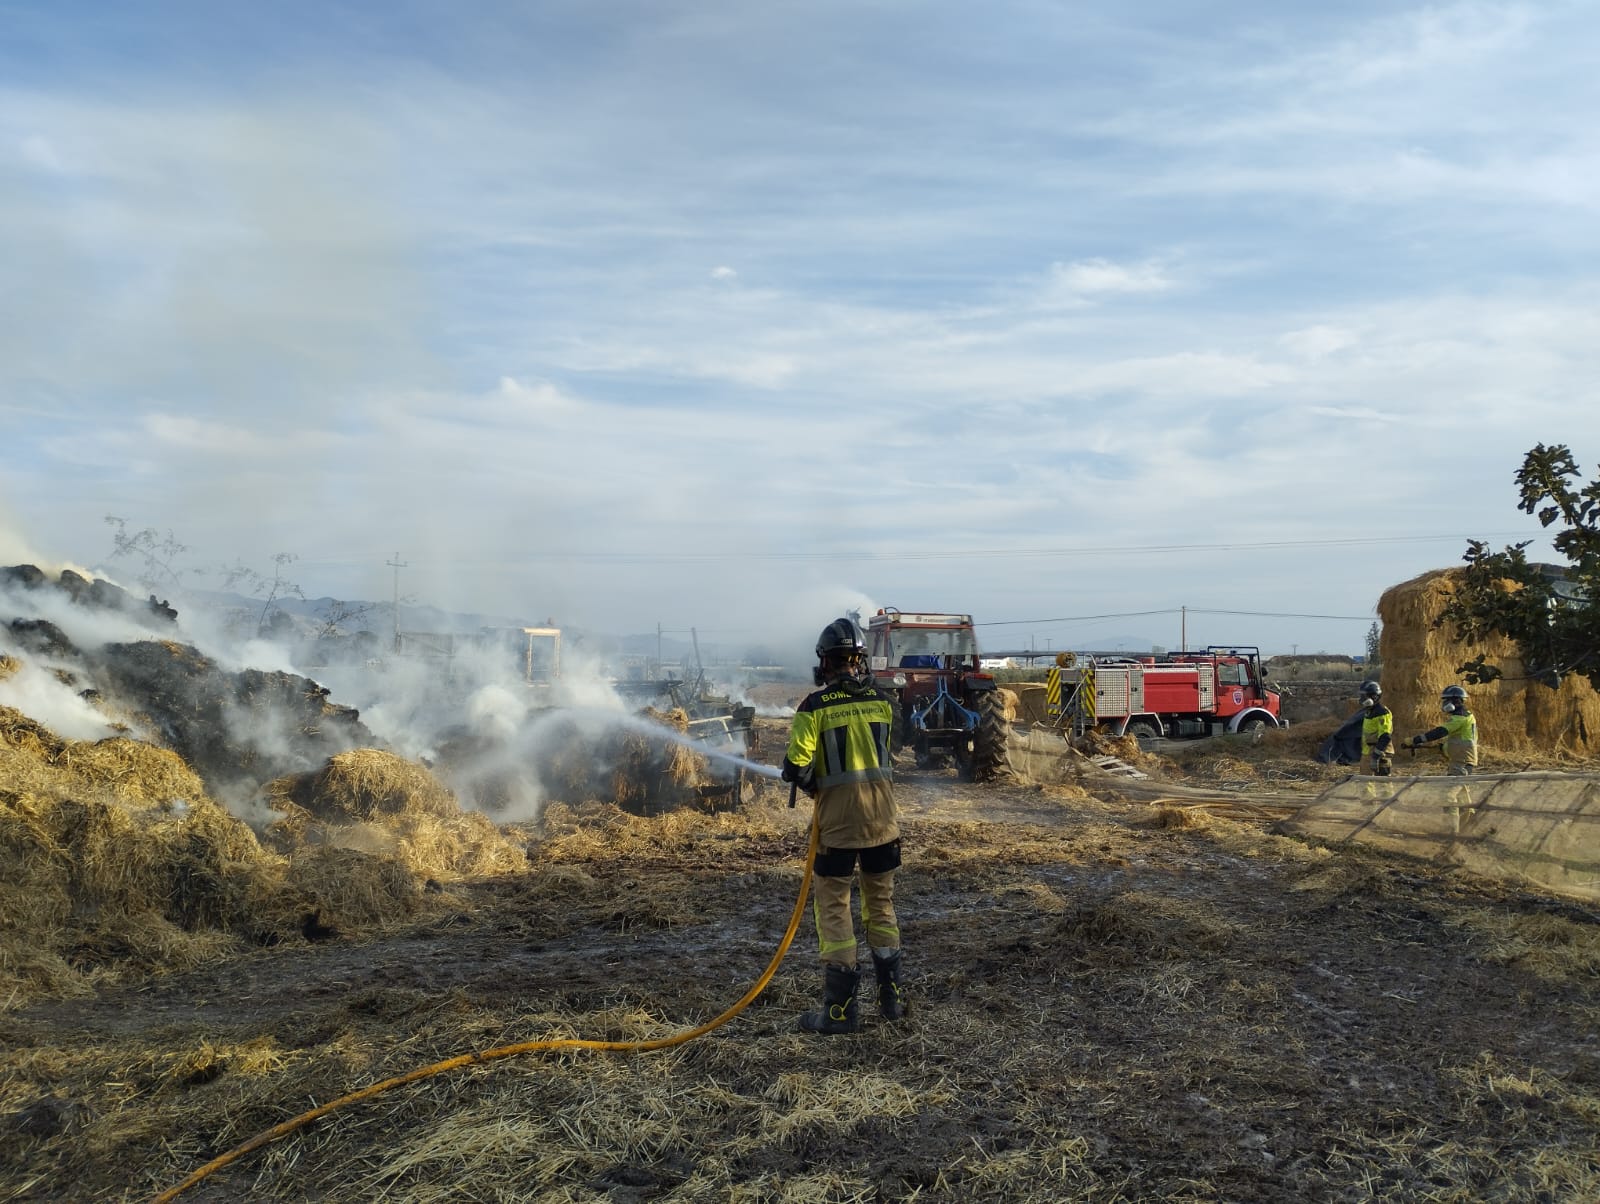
(1553, 947)
(1067, 1042)
(1126, 1003)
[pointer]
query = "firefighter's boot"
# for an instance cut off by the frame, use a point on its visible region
(891, 1000)
(838, 1014)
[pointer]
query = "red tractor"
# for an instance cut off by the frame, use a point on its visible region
(946, 707)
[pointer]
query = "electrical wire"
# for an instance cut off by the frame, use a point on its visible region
(267, 1136)
(836, 556)
(1174, 610)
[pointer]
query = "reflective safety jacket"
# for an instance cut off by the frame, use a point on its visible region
(1460, 735)
(842, 732)
(1377, 730)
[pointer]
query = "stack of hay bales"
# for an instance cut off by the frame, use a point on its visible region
(1515, 715)
(1024, 703)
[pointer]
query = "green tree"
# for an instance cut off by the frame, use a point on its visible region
(1374, 655)
(1552, 617)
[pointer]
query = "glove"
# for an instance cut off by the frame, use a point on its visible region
(1414, 742)
(802, 776)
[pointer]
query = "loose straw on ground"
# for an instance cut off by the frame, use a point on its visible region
(267, 1136)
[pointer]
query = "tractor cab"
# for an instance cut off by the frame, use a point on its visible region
(946, 708)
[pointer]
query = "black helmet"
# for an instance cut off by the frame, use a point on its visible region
(1371, 689)
(840, 636)
(1454, 694)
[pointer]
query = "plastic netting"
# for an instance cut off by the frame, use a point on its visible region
(1535, 828)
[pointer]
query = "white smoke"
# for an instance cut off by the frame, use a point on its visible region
(472, 704)
(41, 695)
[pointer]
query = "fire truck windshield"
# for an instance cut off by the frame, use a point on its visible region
(931, 641)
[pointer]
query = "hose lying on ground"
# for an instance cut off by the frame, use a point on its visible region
(267, 1136)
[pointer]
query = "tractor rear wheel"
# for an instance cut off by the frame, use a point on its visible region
(989, 741)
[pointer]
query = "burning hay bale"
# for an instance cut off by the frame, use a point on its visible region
(646, 764)
(1515, 714)
(376, 802)
(626, 764)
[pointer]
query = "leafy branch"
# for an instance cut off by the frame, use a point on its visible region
(1553, 617)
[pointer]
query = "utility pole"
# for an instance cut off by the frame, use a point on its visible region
(658, 647)
(1183, 629)
(397, 564)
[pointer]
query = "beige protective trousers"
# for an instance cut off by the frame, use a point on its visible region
(830, 905)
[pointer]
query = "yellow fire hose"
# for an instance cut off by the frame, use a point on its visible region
(267, 1136)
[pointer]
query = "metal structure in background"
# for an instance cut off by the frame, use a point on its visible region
(714, 719)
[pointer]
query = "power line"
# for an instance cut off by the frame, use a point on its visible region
(1124, 614)
(592, 557)
(1173, 610)
(1272, 614)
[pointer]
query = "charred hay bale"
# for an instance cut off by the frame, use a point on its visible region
(24, 576)
(233, 729)
(1515, 714)
(43, 637)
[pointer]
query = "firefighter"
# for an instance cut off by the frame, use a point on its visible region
(1459, 731)
(839, 755)
(1377, 730)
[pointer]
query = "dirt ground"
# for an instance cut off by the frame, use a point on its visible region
(1122, 989)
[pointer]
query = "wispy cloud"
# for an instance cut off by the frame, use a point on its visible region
(533, 296)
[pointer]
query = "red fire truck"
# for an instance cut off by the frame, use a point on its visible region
(1174, 695)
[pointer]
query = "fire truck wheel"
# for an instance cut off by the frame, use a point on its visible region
(1143, 731)
(1253, 728)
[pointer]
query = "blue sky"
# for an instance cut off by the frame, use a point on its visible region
(728, 315)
